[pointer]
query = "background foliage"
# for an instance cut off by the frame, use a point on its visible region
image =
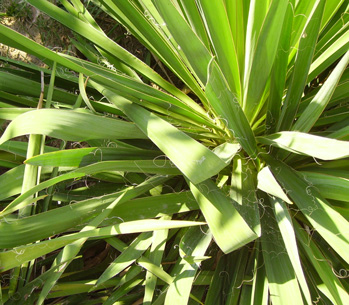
(220, 176)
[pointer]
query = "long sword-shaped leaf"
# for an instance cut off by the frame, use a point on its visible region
(282, 281)
(69, 252)
(307, 144)
(194, 50)
(257, 10)
(19, 255)
(194, 18)
(222, 217)
(126, 85)
(226, 105)
(100, 39)
(322, 266)
(301, 68)
(193, 244)
(268, 184)
(133, 166)
(260, 281)
(218, 28)
(70, 125)
(328, 222)
(284, 222)
(153, 34)
(321, 99)
(174, 143)
(334, 51)
(127, 257)
(237, 15)
(329, 185)
(263, 57)
(85, 156)
(279, 72)
(61, 219)
(155, 255)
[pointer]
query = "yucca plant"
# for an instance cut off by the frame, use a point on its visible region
(231, 188)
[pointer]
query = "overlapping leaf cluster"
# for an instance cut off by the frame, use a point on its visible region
(230, 190)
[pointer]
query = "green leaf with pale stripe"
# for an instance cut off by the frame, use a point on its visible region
(154, 270)
(100, 39)
(194, 18)
(70, 251)
(193, 49)
(237, 16)
(151, 30)
(138, 166)
(60, 219)
(307, 144)
(279, 72)
(260, 281)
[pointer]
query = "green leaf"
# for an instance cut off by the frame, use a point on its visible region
(151, 30)
(268, 184)
(328, 222)
(218, 28)
(322, 267)
(279, 73)
(260, 280)
(263, 57)
(318, 104)
(61, 219)
(70, 125)
(284, 222)
(193, 244)
(301, 68)
(11, 182)
(329, 186)
(139, 166)
(195, 51)
(21, 254)
(127, 257)
(182, 150)
(307, 144)
(84, 156)
(282, 281)
(227, 108)
(154, 270)
(222, 217)
(100, 39)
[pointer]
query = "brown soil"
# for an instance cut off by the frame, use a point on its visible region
(28, 21)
